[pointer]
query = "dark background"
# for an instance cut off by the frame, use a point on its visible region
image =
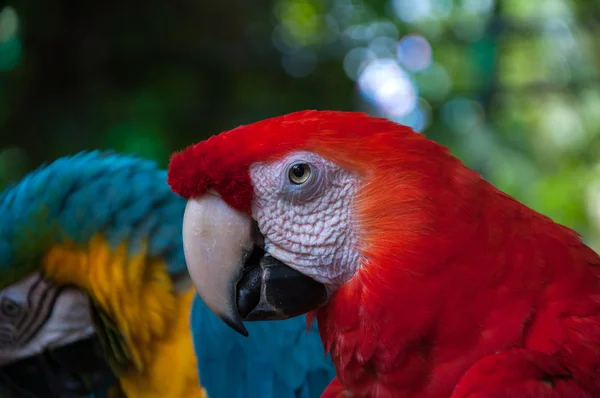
(511, 86)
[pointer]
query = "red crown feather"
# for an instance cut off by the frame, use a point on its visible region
(221, 162)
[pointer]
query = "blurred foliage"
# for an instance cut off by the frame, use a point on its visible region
(511, 86)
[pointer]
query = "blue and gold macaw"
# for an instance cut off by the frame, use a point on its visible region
(94, 291)
(95, 295)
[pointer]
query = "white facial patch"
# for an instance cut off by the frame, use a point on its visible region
(36, 314)
(307, 224)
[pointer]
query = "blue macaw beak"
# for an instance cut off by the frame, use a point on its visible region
(76, 370)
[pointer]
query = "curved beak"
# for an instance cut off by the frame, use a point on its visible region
(233, 275)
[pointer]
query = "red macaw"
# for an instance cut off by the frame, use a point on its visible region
(430, 281)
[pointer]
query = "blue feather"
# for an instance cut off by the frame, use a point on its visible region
(124, 198)
(277, 360)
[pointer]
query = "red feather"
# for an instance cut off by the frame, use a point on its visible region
(461, 285)
(221, 162)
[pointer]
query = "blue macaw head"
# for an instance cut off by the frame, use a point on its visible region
(49, 336)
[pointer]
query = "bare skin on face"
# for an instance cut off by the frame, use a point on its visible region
(303, 206)
(36, 315)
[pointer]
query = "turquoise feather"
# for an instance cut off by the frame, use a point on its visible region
(124, 198)
(278, 359)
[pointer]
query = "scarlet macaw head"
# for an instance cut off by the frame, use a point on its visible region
(283, 213)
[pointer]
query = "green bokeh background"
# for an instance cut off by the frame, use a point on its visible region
(511, 86)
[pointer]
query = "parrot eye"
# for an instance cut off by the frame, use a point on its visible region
(303, 177)
(299, 173)
(10, 308)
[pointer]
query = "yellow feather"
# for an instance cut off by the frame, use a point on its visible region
(137, 294)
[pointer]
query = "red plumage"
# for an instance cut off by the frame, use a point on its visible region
(464, 292)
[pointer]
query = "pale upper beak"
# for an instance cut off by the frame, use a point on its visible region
(231, 272)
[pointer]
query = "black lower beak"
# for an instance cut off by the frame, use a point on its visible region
(76, 370)
(234, 277)
(271, 290)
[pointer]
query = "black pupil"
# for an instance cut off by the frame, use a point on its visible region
(298, 170)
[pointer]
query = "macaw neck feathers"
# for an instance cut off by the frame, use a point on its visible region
(477, 281)
(137, 293)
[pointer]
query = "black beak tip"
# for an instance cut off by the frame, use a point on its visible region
(235, 324)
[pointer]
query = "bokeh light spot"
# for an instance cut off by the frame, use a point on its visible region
(10, 44)
(9, 24)
(414, 52)
(463, 115)
(300, 23)
(357, 32)
(383, 83)
(383, 47)
(356, 59)
(434, 82)
(418, 119)
(412, 11)
(562, 126)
